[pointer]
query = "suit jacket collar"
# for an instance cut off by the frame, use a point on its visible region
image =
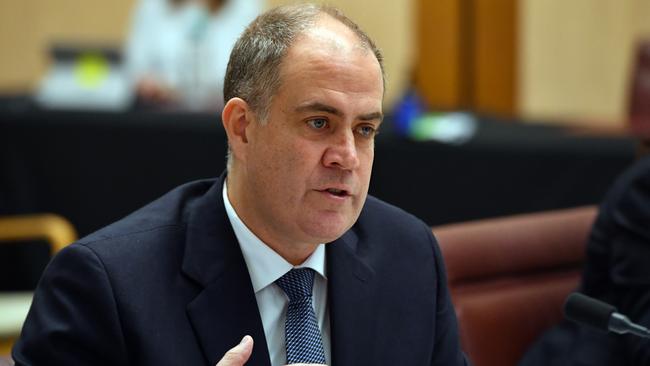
(226, 309)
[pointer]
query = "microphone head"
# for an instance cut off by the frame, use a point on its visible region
(588, 311)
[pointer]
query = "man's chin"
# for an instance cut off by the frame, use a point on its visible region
(328, 230)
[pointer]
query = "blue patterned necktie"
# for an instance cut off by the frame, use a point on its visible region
(303, 338)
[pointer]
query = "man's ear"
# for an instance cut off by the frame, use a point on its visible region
(237, 117)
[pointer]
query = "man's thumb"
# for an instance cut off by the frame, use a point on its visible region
(238, 355)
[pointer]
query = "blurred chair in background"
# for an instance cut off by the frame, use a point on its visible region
(510, 276)
(53, 229)
(178, 50)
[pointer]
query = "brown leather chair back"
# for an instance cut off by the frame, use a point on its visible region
(509, 277)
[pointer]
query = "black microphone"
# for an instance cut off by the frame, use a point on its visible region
(594, 313)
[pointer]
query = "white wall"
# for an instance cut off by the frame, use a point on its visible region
(576, 57)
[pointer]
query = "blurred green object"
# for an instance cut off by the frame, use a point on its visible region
(451, 128)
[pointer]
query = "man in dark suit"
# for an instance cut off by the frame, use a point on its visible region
(184, 279)
(617, 271)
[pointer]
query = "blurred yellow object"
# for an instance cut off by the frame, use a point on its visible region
(58, 232)
(91, 70)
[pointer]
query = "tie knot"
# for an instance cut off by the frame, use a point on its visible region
(297, 283)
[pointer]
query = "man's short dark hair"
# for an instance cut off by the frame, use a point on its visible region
(253, 72)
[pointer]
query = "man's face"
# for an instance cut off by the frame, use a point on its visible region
(307, 170)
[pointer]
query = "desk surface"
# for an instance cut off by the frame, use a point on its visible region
(94, 168)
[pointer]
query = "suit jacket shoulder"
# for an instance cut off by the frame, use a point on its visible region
(157, 287)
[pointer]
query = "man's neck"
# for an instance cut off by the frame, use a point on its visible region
(294, 253)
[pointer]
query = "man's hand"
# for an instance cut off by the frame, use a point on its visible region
(238, 355)
(153, 91)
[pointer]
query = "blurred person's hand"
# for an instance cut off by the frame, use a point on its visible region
(154, 92)
(238, 355)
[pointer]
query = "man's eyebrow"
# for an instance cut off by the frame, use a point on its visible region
(372, 116)
(321, 107)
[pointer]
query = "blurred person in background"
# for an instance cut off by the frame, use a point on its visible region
(616, 271)
(178, 50)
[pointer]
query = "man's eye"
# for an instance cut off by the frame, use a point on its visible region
(366, 131)
(317, 123)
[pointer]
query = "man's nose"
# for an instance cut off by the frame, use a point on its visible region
(342, 152)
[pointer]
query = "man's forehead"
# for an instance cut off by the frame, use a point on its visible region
(332, 70)
(327, 43)
(329, 47)
(329, 34)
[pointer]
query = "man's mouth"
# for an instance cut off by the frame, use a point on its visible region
(337, 192)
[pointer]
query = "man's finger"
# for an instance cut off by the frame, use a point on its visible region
(238, 355)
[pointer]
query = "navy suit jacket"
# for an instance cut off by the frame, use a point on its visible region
(168, 285)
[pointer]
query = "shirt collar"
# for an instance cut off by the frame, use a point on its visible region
(265, 266)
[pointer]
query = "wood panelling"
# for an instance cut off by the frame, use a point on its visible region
(467, 54)
(495, 56)
(438, 72)
(18, 44)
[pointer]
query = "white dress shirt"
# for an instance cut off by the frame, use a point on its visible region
(264, 267)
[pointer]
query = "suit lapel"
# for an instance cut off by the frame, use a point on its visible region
(226, 309)
(222, 314)
(352, 319)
